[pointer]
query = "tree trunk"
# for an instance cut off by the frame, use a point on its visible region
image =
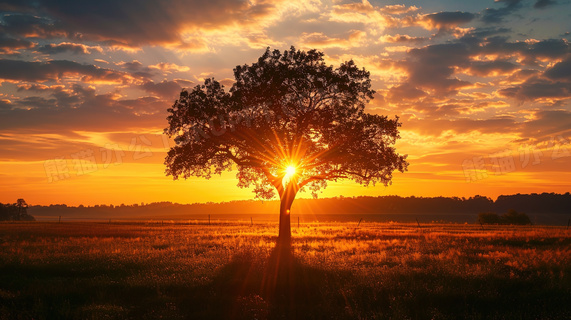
(286, 200)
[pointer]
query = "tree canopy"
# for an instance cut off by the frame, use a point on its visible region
(290, 122)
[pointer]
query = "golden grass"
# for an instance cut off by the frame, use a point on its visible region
(379, 270)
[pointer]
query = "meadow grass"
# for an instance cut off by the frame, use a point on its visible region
(333, 271)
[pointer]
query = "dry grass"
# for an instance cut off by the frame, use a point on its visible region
(337, 271)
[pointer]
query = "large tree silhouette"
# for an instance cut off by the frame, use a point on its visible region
(289, 123)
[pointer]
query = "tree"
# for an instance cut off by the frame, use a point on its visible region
(489, 218)
(22, 207)
(514, 217)
(289, 123)
(510, 217)
(15, 211)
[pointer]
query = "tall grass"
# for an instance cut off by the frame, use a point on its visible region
(332, 271)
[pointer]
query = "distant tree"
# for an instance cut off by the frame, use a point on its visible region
(514, 217)
(511, 217)
(15, 211)
(22, 207)
(289, 123)
(489, 218)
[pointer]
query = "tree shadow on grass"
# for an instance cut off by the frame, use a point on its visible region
(279, 288)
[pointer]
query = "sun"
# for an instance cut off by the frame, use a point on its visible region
(290, 171)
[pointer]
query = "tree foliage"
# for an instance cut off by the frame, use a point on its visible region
(287, 109)
(15, 211)
(510, 217)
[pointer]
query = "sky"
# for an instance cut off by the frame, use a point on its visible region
(482, 89)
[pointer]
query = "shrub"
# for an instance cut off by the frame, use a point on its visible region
(489, 218)
(514, 217)
(510, 217)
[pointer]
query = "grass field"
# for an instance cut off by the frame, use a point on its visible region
(334, 271)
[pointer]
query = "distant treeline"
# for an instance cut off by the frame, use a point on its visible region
(15, 211)
(529, 203)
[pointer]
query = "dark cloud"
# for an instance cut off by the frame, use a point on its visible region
(540, 4)
(403, 38)
(560, 71)
(164, 89)
(487, 68)
(547, 124)
(57, 96)
(432, 67)
(484, 32)
(134, 65)
(522, 75)
(34, 88)
(9, 45)
(530, 51)
(447, 20)
(405, 91)
(537, 88)
(35, 102)
(74, 48)
(491, 15)
(57, 69)
(25, 25)
(549, 48)
(65, 112)
(130, 22)
(16, 5)
(5, 104)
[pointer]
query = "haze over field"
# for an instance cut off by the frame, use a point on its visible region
(482, 89)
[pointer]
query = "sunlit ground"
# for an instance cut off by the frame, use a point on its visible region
(337, 271)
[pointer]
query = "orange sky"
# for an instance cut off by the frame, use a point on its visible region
(483, 90)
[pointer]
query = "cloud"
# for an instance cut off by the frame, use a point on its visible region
(36, 87)
(398, 9)
(58, 69)
(405, 92)
(492, 68)
(491, 15)
(547, 124)
(164, 89)
(400, 38)
(81, 109)
(446, 20)
(133, 22)
(362, 13)
(75, 48)
(5, 104)
(529, 51)
(169, 67)
(29, 25)
(560, 71)
(134, 65)
(11, 45)
(136, 68)
(319, 40)
(432, 67)
(536, 88)
(540, 4)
